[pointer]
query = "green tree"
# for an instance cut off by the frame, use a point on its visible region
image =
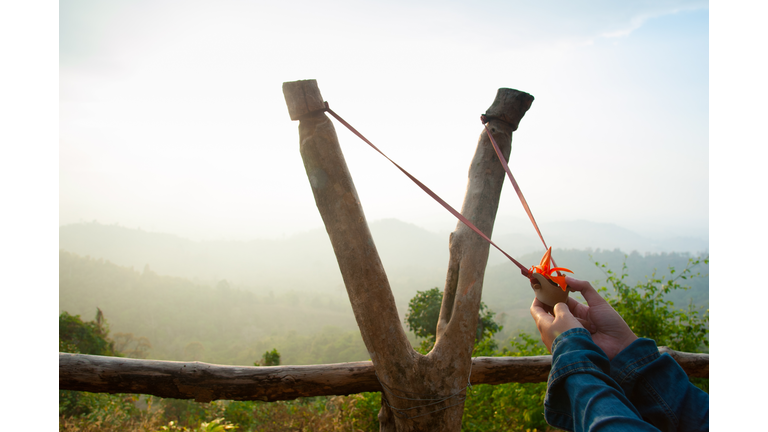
(424, 311)
(270, 358)
(91, 337)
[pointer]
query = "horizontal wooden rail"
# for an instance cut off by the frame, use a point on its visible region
(205, 382)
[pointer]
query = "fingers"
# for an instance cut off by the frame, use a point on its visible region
(543, 320)
(574, 305)
(577, 309)
(538, 311)
(561, 309)
(547, 308)
(586, 290)
(564, 320)
(550, 326)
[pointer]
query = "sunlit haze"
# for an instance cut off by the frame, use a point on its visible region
(172, 117)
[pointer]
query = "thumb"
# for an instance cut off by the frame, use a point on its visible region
(564, 319)
(585, 288)
(561, 311)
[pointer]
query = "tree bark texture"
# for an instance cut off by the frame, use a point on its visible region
(205, 382)
(420, 392)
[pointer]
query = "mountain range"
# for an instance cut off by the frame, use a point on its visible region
(415, 260)
(401, 245)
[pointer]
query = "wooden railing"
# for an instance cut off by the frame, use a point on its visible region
(205, 382)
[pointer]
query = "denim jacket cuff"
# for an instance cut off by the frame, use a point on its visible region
(574, 354)
(638, 354)
(565, 361)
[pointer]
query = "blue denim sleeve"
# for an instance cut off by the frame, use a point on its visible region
(659, 388)
(581, 395)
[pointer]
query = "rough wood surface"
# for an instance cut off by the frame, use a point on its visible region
(302, 98)
(206, 382)
(510, 106)
(341, 210)
(409, 377)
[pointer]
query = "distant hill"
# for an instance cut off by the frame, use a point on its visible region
(412, 256)
(233, 326)
(307, 258)
(299, 277)
(581, 234)
(415, 259)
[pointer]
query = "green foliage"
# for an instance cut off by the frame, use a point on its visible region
(486, 328)
(361, 411)
(188, 413)
(270, 358)
(424, 312)
(97, 408)
(111, 413)
(511, 406)
(316, 413)
(68, 347)
(215, 425)
(649, 314)
(90, 337)
(511, 295)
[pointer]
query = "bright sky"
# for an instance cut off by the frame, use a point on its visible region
(172, 116)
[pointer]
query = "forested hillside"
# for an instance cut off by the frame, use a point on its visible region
(219, 324)
(413, 257)
(226, 323)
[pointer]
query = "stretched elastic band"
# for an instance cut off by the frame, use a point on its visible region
(429, 192)
(485, 119)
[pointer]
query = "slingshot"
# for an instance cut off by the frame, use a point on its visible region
(547, 281)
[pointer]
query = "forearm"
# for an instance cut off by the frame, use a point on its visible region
(581, 395)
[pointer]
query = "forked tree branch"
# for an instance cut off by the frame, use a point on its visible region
(468, 251)
(339, 205)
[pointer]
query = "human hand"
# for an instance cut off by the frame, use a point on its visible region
(552, 325)
(609, 330)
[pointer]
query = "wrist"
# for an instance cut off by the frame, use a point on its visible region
(570, 333)
(637, 354)
(627, 341)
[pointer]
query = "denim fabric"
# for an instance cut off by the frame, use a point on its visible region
(659, 388)
(581, 395)
(639, 390)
